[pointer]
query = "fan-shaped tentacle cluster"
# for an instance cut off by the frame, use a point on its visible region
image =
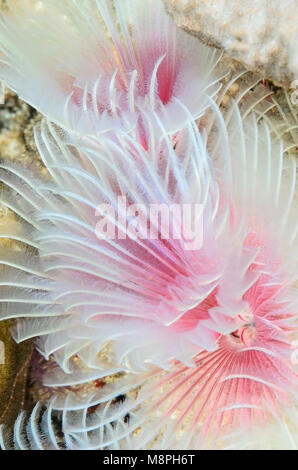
(163, 247)
(98, 60)
(134, 288)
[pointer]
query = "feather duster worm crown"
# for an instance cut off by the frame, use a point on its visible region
(250, 379)
(87, 64)
(142, 295)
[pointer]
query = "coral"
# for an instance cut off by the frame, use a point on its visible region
(263, 36)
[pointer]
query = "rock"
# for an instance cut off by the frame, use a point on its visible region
(263, 36)
(17, 120)
(14, 367)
